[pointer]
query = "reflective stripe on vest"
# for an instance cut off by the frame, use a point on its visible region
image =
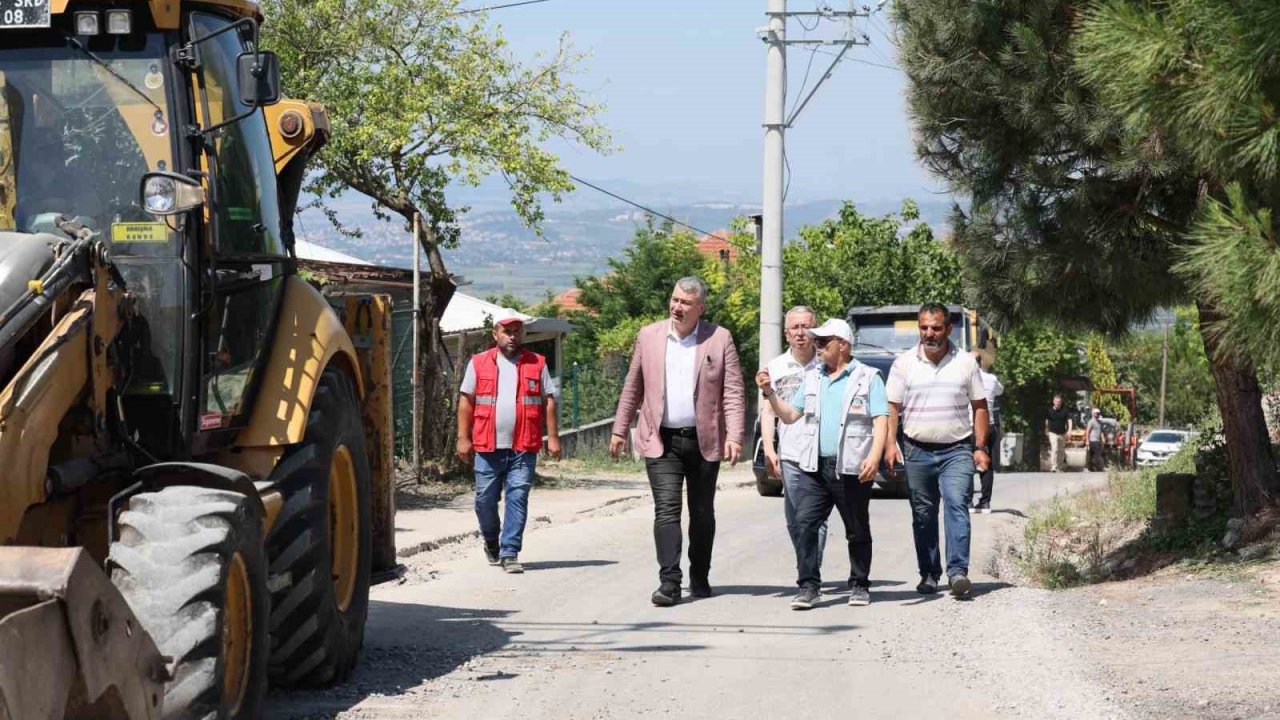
(529, 409)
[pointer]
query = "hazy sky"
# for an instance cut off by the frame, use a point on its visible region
(683, 81)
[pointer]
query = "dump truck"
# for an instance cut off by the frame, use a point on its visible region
(883, 332)
(196, 444)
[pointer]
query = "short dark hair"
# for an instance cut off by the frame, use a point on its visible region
(931, 308)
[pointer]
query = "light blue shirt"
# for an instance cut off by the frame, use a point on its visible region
(832, 396)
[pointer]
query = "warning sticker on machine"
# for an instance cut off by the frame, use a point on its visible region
(140, 232)
(211, 421)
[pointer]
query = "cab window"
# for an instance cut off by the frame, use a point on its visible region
(248, 217)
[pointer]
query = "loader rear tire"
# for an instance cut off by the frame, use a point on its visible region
(191, 563)
(321, 545)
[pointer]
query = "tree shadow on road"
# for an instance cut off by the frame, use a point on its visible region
(429, 641)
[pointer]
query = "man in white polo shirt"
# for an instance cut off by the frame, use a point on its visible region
(933, 390)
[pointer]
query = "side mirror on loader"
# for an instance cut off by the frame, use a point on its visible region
(166, 193)
(259, 78)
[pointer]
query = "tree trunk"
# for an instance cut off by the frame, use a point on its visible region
(1249, 459)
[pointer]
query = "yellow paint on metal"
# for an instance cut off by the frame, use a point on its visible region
(344, 526)
(309, 337)
(287, 148)
(37, 399)
(8, 169)
(139, 233)
(273, 503)
(368, 320)
(237, 635)
(36, 286)
(167, 13)
(906, 326)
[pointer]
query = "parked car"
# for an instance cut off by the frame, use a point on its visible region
(1159, 446)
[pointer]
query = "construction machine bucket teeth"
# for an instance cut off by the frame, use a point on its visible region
(70, 646)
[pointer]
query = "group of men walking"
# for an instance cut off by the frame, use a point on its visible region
(838, 423)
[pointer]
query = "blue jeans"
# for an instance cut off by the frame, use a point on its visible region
(791, 473)
(496, 471)
(940, 473)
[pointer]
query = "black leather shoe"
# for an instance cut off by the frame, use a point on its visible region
(666, 595)
(700, 588)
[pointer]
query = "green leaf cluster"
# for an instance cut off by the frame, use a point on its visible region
(1203, 76)
(1189, 385)
(1103, 375)
(420, 97)
(1032, 358)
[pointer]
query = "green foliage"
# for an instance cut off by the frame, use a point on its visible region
(1031, 360)
(507, 300)
(589, 393)
(1204, 76)
(420, 97)
(852, 259)
(638, 285)
(1189, 386)
(1102, 374)
(1070, 218)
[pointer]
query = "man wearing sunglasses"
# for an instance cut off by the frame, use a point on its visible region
(842, 412)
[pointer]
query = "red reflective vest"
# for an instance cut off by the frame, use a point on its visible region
(530, 411)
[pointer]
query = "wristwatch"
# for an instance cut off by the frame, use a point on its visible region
(982, 448)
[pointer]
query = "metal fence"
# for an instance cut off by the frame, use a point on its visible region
(589, 392)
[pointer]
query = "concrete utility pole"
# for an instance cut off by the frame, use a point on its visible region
(776, 123)
(417, 349)
(775, 118)
(1164, 371)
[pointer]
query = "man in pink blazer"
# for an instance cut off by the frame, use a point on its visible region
(686, 384)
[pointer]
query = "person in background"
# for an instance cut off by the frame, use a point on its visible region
(685, 387)
(1058, 423)
(787, 372)
(839, 445)
(506, 398)
(1096, 462)
(994, 389)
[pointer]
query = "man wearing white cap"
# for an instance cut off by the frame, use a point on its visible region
(506, 398)
(840, 442)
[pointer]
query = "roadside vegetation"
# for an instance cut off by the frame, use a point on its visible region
(1113, 533)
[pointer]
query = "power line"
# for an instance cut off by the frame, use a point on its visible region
(649, 210)
(498, 7)
(848, 58)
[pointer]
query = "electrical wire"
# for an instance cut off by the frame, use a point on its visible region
(497, 7)
(848, 58)
(649, 210)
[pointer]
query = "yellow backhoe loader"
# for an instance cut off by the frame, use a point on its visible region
(195, 446)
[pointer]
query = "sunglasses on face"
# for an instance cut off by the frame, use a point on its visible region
(821, 342)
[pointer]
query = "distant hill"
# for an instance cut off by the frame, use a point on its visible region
(498, 254)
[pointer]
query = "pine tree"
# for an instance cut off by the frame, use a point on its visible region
(1071, 215)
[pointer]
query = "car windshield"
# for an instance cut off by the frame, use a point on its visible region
(895, 335)
(76, 135)
(1164, 437)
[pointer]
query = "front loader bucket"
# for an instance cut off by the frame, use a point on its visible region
(70, 646)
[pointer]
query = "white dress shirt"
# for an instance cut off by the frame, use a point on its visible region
(681, 373)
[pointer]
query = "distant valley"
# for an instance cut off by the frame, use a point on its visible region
(498, 254)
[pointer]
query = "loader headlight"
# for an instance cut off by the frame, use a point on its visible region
(165, 193)
(119, 22)
(88, 22)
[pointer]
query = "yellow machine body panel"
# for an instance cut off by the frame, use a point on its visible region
(309, 337)
(167, 13)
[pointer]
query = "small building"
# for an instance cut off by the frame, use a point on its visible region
(466, 329)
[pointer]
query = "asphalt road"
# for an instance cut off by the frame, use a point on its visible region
(576, 636)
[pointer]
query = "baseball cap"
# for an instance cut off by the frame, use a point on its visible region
(507, 316)
(1096, 411)
(833, 327)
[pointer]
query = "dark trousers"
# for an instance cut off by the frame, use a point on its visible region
(682, 464)
(816, 493)
(1097, 461)
(988, 476)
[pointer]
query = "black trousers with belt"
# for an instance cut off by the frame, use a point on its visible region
(682, 464)
(815, 494)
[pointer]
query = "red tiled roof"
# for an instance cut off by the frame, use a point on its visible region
(715, 246)
(568, 300)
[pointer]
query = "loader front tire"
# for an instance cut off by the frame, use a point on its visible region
(320, 548)
(191, 563)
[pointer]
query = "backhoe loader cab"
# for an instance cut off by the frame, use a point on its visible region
(177, 407)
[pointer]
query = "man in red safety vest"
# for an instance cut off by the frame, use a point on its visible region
(507, 395)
